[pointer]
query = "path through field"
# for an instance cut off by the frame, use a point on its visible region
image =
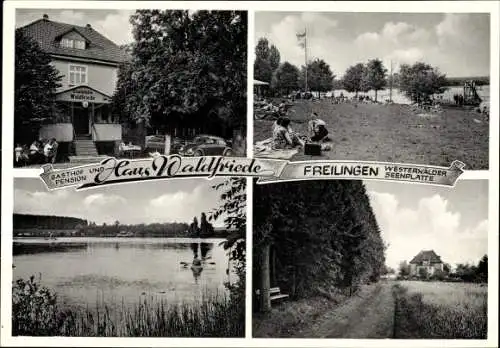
(371, 316)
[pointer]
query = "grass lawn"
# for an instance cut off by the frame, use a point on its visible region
(392, 133)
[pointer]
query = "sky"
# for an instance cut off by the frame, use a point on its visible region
(451, 221)
(113, 24)
(458, 44)
(176, 200)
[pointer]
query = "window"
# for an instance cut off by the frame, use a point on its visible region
(77, 75)
(80, 44)
(70, 43)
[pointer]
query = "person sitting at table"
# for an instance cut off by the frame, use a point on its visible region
(35, 153)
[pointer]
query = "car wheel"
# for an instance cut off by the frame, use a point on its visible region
(227, 152)
(198, 153)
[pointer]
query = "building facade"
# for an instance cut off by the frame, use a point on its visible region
(426, 262)
(88, 63)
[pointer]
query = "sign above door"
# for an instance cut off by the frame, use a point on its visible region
(81, 94)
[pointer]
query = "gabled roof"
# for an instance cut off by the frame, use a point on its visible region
(48, 33)
(426, 255)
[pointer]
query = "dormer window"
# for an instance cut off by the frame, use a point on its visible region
(71, 43)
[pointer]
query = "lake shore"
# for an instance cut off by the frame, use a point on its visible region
(37, 312)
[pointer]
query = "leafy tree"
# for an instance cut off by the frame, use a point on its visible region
(263, 70)
(482, 269)
(35, 84)
(404, 269)
(286, 78)
(419, 81)
(374, 76)
(206, 228)
(274, 57)
(353, 78)
(319, 76)
(233, 208)
(186, 66)
(194, 230)
(267, 60)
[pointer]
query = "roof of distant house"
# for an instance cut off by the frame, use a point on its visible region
(426, 255)
(48, 34)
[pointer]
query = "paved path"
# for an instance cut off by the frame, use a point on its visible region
(370, 315)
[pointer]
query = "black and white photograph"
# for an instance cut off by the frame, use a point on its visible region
(164, 260)
(370, 260)
(391, 87)
(130, 84)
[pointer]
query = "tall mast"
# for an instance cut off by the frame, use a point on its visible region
(305, 52)
(390, 86)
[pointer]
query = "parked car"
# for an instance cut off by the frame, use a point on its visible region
(157, 143)
(206, 145)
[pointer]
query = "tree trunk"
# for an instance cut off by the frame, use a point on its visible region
(375, 96)
(265, 279)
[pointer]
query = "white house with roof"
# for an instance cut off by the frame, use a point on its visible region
(89, 64)
(427, 261)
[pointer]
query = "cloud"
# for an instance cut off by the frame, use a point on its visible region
(179, 206)
(283, 35)
(112, 24)
(116, 27)
(430, 224)
(101, 200)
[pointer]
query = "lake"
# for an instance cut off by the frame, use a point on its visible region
(124, 271)
(399, 98)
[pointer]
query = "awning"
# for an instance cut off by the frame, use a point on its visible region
(260, 83)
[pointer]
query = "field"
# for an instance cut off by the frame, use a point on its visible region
(393, 133)
(440, 310)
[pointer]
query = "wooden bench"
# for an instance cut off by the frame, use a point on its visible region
(275, 294)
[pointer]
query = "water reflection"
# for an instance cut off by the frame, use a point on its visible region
(122, 270)
(198, 264)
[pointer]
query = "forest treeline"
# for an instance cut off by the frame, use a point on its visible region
(60, 226)
(27, 221)
(315, 236)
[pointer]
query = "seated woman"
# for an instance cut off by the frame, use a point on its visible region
(317, 129)
(283, 136)
(36, 153)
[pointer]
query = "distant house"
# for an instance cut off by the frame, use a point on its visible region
(426, 261)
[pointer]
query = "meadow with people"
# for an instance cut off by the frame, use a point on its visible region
(415, 115)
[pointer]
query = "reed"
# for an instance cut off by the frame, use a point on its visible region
(35, 312)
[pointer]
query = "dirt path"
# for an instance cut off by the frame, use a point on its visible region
(369, 316)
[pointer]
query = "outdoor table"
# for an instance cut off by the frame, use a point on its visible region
(130, 150)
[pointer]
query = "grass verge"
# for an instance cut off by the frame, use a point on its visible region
(416, 318)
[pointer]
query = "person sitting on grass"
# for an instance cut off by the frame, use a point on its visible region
(283, 135)
(317, 129)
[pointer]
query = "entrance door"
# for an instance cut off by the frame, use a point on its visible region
(81, 121)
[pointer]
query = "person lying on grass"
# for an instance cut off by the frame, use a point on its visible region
(283, 135)
(317, 129)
